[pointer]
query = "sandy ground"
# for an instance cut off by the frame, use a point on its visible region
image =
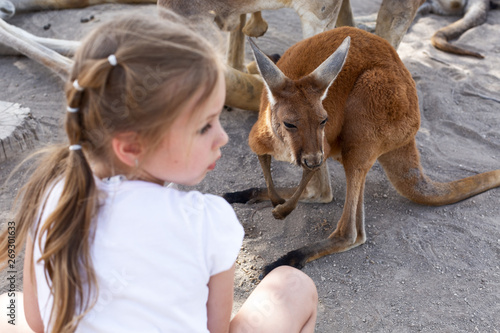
(423, 269)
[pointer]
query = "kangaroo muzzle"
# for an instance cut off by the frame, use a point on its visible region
(312, 161)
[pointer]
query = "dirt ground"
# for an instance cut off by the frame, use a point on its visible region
(423, 269)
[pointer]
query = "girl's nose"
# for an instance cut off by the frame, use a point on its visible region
(221, 139)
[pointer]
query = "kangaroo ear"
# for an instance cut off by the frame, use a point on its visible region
(327, 72)
(272, 75)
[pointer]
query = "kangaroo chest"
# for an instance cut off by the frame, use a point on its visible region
(282, 152)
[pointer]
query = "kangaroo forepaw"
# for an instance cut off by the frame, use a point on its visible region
(240, 196)
(293, 258)
(277, 201)
(281, 211)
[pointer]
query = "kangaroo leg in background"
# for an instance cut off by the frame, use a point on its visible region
(64, 47)
(345, 17)
(23, 42)
(403, 169)
(236, 48)
(394, 18)
(256, 25)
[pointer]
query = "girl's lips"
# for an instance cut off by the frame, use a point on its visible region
(212, 166)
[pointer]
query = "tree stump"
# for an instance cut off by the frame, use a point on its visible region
(18, 130)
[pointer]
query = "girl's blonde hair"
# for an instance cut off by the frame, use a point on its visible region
(161, 64)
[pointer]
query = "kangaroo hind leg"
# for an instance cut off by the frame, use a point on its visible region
(350, 231)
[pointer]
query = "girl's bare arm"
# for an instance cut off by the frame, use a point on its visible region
(220, 301)
(31, 310)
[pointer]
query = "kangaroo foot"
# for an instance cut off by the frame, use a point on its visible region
(282, 210)
(293, 258)
(244, 196)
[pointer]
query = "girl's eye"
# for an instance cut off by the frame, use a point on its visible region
(205, 129)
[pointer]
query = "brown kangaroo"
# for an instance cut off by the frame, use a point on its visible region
(356, 105)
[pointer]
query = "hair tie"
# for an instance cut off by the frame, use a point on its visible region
(112, 60)
(72, 110)
(77, 86)
(75, 147)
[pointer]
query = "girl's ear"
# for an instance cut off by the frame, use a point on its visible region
(127, 147)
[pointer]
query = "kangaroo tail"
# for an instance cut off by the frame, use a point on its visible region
(474, 16)
(403, 169)
(253, 194)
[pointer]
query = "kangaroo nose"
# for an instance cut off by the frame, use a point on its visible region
(313, 161)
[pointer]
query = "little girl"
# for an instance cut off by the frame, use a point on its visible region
(108, 247)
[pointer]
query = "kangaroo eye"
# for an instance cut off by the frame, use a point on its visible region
(323, 122)
(288, 125)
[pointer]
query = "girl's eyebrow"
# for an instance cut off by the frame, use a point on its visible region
(213, 115)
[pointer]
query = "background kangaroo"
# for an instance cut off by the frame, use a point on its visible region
(474, 13)
(357, 106)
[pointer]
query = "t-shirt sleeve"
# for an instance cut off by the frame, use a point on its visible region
(224, 235)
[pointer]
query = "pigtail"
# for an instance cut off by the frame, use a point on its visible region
(68, 230)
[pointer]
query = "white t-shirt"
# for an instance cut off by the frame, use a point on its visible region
(154, 252)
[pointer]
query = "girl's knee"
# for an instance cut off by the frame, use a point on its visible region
(285, 301)
(293, 283)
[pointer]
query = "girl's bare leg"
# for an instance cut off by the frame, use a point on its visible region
(285, 301)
